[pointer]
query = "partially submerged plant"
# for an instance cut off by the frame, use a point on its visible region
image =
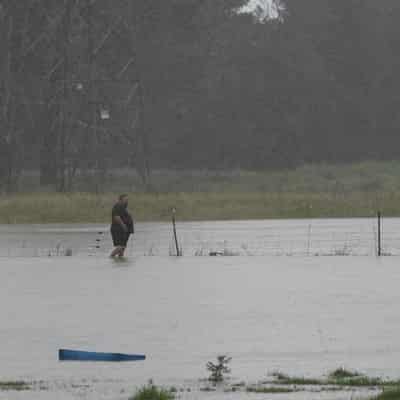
(342, 373)
(344, 377)
(342, 251)
(152, 392)
(270, 389)
(339, 377)
(279, 375)
(219, 369)
(14, 386)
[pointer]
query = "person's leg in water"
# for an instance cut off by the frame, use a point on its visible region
(118, 251)
(120, 244)
(123, 247)
(122, 251)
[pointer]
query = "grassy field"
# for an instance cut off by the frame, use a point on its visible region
(96, 208)
(357, 190)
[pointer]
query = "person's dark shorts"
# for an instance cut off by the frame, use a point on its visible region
(119, 237)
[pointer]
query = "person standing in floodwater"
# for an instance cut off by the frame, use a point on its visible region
(121, 226)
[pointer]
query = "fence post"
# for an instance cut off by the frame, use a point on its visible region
(178, 252)
(379, 233)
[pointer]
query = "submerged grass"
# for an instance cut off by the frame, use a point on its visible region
(389, 393)
(359, 381)
(152, 392)
(338, 377)
(284, 384)
(95, 208)
(14, 385)
(301, 381)
(271, 390)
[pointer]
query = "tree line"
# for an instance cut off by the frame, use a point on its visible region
(92, 85)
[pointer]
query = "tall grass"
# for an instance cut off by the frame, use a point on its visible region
(356, 190)
(95, 208)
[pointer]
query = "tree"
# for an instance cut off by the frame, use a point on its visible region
(220, 369)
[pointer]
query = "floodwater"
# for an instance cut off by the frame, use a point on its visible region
(281, 309)
(325, 237)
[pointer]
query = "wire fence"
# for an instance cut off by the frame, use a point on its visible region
(319, 237)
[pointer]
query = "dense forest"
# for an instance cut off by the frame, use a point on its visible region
(195, 84)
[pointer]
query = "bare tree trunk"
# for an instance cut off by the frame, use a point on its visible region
(8, 106)
(143, 166)
(64, 103)
(48, 155)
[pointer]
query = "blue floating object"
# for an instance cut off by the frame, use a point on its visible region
(77, 355)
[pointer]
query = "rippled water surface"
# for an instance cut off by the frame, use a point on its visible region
(267, 308)
(247, 238)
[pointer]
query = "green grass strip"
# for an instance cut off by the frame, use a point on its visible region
(14, 385)
(152, 392)
(96, 208)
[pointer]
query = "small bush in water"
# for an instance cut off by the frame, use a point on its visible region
(152, 392)
(219, 369)
(342, 373)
